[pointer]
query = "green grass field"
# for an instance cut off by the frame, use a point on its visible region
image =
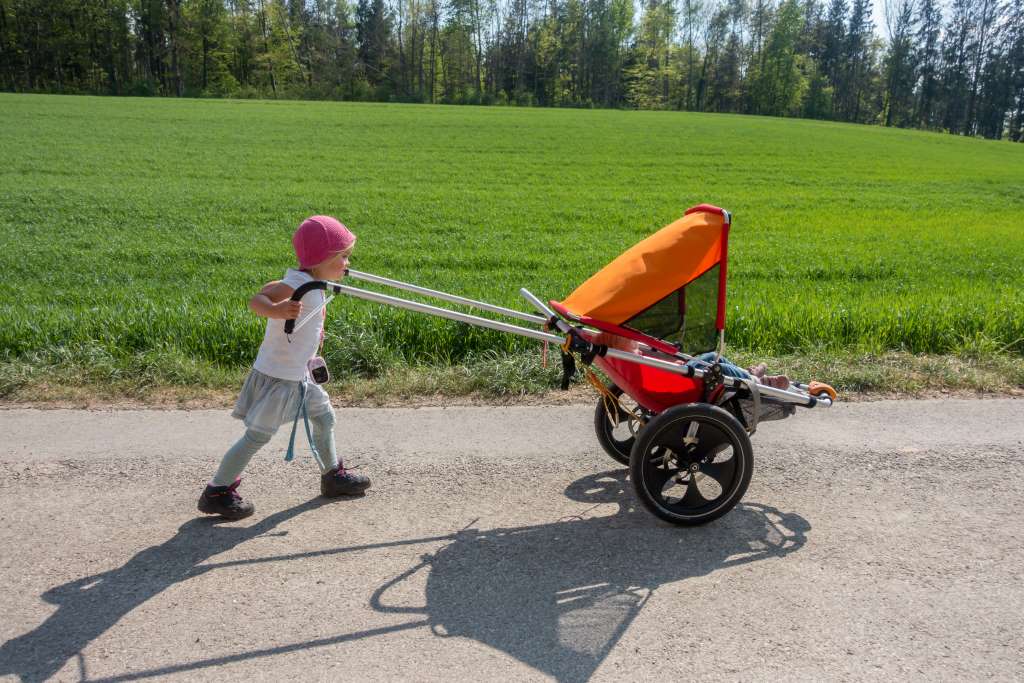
(133, 230)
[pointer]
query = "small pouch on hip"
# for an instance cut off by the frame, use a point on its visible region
(318, 370)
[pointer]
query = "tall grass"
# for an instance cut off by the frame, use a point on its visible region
(135, 229)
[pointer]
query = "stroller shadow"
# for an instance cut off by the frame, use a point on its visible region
(559, 596)
(87, 607)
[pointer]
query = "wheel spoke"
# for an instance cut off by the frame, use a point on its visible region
(711, 441)
(691, 433)
(659, 475)
(693, 497)
(656, 454)
(722, 472)
(673, 436)
(692, 437)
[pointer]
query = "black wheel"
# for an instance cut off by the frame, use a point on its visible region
(616, 433)
(691, 464)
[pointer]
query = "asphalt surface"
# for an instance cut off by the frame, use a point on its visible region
(876, 541)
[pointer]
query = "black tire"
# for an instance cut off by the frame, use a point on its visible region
(664, 468)
(614, 433)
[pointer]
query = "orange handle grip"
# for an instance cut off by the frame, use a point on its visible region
(819, 388)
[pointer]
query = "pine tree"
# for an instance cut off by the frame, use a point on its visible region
(899, 66)
(986, 15)
(957, 46)
(857, 61)
(779, 87)
(373, 28)
(928, 62)
(833, 53)
(995, 93)
(1015, 69)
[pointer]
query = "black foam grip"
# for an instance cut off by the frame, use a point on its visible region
(289, 325)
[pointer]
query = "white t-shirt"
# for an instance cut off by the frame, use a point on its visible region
(286, 358)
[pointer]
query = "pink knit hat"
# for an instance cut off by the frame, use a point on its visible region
(319, 238)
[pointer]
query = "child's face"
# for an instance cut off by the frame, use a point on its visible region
(334, 267)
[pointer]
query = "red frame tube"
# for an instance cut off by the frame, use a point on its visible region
(722, 264)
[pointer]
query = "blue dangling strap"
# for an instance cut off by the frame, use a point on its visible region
(295, 424)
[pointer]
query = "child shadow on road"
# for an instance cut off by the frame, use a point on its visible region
(87, 607)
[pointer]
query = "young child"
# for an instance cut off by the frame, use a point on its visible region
(279, 382)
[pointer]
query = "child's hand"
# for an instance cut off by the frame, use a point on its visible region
(287, 310)
(274, 301)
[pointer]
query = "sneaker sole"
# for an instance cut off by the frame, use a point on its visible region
(231, 517)
(346, 494)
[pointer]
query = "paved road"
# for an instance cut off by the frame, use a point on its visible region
(877, 540)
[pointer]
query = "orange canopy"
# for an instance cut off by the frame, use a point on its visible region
(655, 267)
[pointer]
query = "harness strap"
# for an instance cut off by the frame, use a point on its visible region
(755, 395)
(568, 369)
(612, 405)
(290, 455)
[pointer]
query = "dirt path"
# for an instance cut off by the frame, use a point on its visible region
(877, 540)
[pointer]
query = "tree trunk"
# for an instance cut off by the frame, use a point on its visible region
(433, 46)
(419, 52)
(988, 11)
(479, 48)
(1017, 119)
(5, 50)
(401, 48)
(295, 52)
(175, 20)
(266, 48)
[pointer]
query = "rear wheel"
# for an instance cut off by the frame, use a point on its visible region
(691, 464)
(617, 433)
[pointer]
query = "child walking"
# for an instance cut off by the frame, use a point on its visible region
(279, 385)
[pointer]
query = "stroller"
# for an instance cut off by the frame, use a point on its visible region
(653, 322)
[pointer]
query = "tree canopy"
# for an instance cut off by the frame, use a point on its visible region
(962, 73)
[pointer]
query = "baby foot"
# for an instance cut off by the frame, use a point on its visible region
(758, 370)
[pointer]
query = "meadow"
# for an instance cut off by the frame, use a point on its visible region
(132, 231)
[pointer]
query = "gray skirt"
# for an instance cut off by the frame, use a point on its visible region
(267, 402)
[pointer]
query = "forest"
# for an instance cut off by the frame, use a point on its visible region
(956, 67)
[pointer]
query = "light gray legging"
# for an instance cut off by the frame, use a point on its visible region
(238, 456)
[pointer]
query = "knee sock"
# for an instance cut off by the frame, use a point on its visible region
(323, 439)
(238, 456)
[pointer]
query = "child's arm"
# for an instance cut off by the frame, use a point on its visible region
(274, 301)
